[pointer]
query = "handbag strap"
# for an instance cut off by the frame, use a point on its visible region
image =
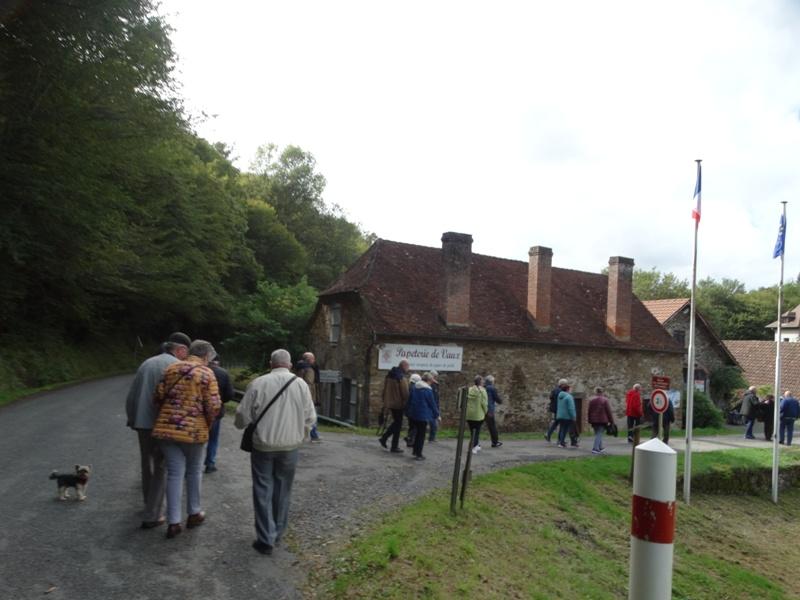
(271, 402)
(177, 381)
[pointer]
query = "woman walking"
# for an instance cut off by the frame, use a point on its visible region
(477, 406)
(565, 413)
(189, 401)
(421, 409)
(599, 414)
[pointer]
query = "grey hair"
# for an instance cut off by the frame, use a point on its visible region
(478, 379)
(562, 382)
(203, 349)
(280, 358)
(307, 355)
(426, 376)
(490, 379)
(598, 390)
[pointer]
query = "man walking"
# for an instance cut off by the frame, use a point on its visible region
(790, 410)
(395, 397)
(749, 404)
(553, 408)
(633, 409)
(599, 415)
(494, 399)
(275, 442)
(142, 412)
(307, 370)
(226, 394)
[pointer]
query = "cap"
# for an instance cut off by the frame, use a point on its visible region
(180, 338)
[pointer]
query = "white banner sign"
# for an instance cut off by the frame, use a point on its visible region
(420, 358)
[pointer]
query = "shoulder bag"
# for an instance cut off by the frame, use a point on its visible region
(247, 436)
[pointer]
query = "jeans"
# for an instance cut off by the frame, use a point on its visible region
(633, 422)
(474, 432)
(273, 474)
(552, 427)
(393, 430)
(419, 439)
(787, 431)
(154, 475)
(213, 443)
(598, 437)
(748, 432)
(492, 425)
(434, 428)
(564, 426)
(183, 460)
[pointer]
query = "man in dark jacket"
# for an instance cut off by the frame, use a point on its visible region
(494, 399)
(395, 397)
(553, 406)
(790, 410)
(226, 394)
(749, 404)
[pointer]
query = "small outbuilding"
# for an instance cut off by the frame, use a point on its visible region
(461, 313)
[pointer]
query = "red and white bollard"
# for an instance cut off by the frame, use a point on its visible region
(653, 521)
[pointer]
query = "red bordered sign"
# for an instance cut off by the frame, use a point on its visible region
(659, 401)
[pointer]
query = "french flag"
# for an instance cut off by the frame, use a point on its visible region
(696, 209)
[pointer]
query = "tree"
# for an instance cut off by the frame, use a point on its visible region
(655, 285)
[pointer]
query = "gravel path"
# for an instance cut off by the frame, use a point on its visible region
(94, 550)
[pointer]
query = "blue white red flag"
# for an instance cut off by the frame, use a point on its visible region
(696, 209)
(781, 238)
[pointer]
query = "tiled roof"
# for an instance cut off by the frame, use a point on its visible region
(793, 323)
(757, 358)
(664, 309)
(402, 285)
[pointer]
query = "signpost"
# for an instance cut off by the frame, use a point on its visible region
(659, 401)
(659, 382)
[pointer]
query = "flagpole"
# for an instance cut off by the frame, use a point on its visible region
(776, 406)
(687, 459)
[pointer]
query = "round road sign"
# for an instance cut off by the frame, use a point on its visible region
(659, 401)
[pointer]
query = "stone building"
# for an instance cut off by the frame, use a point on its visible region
(527, 323)
(757, 358)
(710, 353)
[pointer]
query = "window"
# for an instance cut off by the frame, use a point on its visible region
(680, 336)
(336, 323)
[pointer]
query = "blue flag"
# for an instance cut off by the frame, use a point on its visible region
(779, 244)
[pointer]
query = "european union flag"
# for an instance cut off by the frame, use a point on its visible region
(779, 244)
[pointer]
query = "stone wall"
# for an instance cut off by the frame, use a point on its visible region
(524, 374)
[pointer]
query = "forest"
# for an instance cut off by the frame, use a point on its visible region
(121, 224)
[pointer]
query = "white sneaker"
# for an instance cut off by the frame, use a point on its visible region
(475, 450)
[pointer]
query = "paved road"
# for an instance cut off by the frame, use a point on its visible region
(93, 550)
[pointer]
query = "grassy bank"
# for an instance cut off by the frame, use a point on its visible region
(561, 530)
(27, 368)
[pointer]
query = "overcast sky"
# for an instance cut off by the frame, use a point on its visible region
(573, 125)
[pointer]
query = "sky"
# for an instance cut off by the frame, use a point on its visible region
(573, 125)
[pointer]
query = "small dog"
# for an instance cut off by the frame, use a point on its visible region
(78, 480)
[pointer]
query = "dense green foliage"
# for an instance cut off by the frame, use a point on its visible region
(118, 219)
(705, 413)
(734, 312)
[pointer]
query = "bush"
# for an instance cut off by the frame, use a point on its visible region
(705, 413)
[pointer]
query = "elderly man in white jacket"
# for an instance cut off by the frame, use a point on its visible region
(277, 437)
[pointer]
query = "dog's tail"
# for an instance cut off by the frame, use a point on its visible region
(54, 475)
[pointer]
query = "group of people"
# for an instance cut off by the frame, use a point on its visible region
(762, 409)
(416, 396)
(175, 404)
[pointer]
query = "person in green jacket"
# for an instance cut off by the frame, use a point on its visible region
(565, 414)
(477, 406)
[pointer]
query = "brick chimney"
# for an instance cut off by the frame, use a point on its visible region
(540, 270)
(620, 297)
(456, 263)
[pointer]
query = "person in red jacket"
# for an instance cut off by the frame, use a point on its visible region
(633, 409)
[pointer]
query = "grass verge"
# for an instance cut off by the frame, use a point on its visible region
(561, 530)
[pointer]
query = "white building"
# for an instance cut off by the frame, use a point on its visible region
(790, 326)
